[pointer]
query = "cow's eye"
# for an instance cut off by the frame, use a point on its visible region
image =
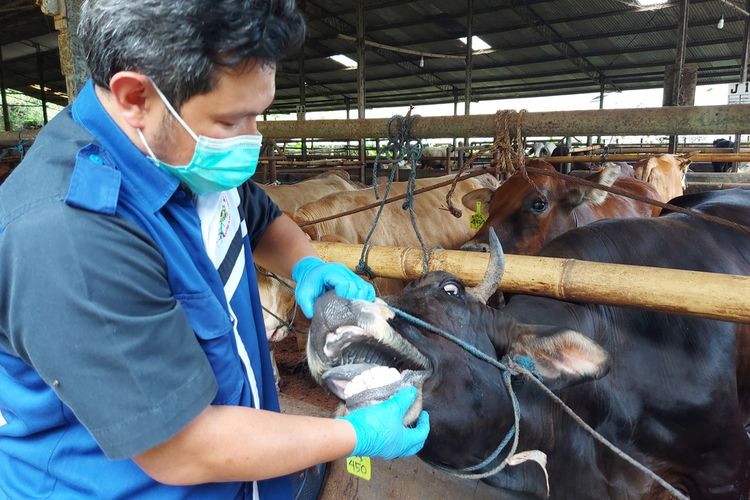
(451, 289)
(539, 205)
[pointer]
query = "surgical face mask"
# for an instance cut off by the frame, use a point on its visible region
(217, 164)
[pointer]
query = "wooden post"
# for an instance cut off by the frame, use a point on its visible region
(42, 83)
(716, 296)
(272, 169)
(3, 96)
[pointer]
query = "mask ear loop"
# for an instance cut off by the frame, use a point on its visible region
(148, 148)
(174, 113)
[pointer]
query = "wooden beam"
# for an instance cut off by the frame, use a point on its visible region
(715, 296)
(640, 121)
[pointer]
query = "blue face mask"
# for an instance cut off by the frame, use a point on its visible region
(217, 164)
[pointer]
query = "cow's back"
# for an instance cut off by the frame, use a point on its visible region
(678, 385)
(289, 197)
(438, 227)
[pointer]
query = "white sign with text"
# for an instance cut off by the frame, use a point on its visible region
(739, 93)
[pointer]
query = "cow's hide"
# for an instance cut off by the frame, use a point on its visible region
(670, 390)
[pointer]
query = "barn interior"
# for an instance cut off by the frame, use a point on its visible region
(363, 55)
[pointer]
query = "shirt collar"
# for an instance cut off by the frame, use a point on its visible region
(154, 186)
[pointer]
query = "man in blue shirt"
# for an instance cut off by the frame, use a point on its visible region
(133, 359)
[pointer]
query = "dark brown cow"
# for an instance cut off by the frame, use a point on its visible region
(526, 213)
(670, 390)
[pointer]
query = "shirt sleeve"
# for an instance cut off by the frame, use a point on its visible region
(258, 209)
(86, 303)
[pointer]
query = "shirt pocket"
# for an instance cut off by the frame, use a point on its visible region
(215, 332)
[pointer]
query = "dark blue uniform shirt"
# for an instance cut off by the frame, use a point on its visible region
(127, 307)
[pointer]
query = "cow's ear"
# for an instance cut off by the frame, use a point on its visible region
(562, 357)
(482, 194)
(607, 176)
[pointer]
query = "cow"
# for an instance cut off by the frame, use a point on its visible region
(276, 293)
(727, 166)
(540, 149)
(438, 227)
(435, 157)
(667, 173)
(670, 390)
(528, 212)
(289, 197)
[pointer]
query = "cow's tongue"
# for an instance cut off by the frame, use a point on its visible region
(365, 384)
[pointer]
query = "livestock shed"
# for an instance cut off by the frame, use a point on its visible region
(617, 365)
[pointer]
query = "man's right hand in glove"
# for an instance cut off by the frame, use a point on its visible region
(380, 430)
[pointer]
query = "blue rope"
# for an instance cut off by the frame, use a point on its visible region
(401, 144)
(467, 473)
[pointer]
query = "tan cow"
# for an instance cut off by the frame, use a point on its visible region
(666, 173)
(277, 296)
(289, 197)
(437, 226)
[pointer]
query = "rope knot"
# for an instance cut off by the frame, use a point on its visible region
(521, 365)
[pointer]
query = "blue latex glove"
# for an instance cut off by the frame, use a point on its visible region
(380, 429)
(315, 277)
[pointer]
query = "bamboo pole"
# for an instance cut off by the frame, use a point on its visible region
(716, 296)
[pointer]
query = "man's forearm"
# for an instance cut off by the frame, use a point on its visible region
(282, 245)
(229, 443)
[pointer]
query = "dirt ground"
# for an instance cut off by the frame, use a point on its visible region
(296, 381)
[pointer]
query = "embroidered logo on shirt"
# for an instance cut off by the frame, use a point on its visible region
(225, 219)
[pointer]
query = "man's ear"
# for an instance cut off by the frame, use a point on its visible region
(562, 357)
(133, 94)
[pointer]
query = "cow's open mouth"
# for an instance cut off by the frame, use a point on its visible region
(368, 362)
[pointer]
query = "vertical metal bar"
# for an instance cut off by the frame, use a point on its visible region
(3, 97)
(455, 109)
(42, 83)
(361, 94)
(469, 60)
(601, 106)
(348, 105)
(743, 73)
(302, 90)
(679, 64)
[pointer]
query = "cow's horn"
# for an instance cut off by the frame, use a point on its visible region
(494, 273)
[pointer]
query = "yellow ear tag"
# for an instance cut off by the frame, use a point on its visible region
(477, 219)
(360, 467)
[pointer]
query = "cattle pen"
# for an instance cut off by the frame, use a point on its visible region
(605, 144)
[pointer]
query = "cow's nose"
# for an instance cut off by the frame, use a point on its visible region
(475, 246)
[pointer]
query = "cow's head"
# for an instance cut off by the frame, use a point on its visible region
(527, 212)
(364, 353)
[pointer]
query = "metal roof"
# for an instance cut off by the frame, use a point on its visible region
(23, 30)
(540, 47)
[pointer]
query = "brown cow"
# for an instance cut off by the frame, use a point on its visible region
(527, 213)
(666, 173)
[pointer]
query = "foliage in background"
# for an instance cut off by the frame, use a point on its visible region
(26, 112)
